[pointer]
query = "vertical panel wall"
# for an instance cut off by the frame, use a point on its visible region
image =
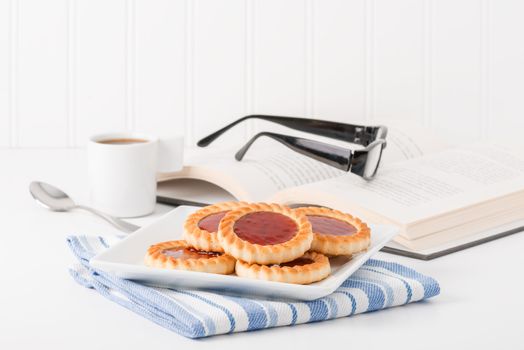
(101, 48)
(339, 59)
(457, 68)
(5, 73)
(397, 59)
(279, 57)
(157, 59)
(505, 75)
(71, 68)
(218, 67)
(42, 74)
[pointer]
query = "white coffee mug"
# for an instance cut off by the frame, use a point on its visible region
(122, 170)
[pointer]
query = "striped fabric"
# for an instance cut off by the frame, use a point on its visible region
(195, 314)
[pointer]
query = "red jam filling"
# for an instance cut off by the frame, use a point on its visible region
(210, 222)
(297, 262)
(189, 253)
(330, 226)
(265, 228)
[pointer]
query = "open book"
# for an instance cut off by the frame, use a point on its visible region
(439, 196)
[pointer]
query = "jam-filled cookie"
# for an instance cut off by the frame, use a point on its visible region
(178, 255)
(336, 233)
(200, 228)
(264, 233)
(309, 268)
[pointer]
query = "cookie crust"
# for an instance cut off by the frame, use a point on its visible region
(265, 254)
(200, 238)
(155, 257)
(333, 245)
(315, 271)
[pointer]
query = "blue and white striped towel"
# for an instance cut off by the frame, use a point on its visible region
(195, 314)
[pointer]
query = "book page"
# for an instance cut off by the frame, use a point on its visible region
(425, 187)
(405, 141)
(191, 192)
(264, 171)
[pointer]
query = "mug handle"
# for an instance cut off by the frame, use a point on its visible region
(170, 154)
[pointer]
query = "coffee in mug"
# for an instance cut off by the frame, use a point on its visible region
(121, 141)
(123, 168)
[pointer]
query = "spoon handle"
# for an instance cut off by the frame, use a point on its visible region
(116, 222)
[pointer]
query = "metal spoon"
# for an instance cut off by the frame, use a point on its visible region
(57, 200)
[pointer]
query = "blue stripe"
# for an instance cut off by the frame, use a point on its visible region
(351, 298)
(375, 294)
(407, 285)
(157, 303)
(408, 290)
(228, 313)
(273, 315)
(182, 327)
(294, 314)
(256, 315)
(139, 293)
(78, 249)
(80, 279)
(385, 284)
(431, 286)
(210, 324)
(87, 247)
(318, 310)
(389, 291)
(332, 306)
(102, 240)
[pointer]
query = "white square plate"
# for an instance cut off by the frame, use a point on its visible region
(125, 260)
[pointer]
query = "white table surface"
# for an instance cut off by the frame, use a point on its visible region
(480, 305)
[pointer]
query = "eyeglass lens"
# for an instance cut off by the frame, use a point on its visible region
(373, 160)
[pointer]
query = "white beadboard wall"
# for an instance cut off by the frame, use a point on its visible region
(71, 68)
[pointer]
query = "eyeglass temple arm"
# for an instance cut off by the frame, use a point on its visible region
(362, 135)
(335, 156)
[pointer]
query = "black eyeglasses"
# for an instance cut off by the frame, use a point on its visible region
(363, 162)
